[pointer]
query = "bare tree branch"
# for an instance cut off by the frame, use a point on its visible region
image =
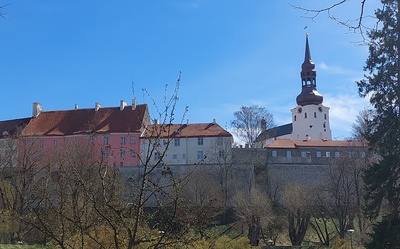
(355, 25)
(2, 13)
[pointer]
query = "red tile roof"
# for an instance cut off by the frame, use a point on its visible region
(287, 143)
(11, 126)
(186, 130)
(80, 121)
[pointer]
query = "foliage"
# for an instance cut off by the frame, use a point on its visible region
(340, 244)
(386, 234)
(382, 84)
(248, 122)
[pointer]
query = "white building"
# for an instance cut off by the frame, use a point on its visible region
(186, 144)
(310, 118)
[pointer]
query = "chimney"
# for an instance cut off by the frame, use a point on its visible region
(97, 106)
(76, 107)
(134, 104)
(36, 109)
(122, 105)
(214, 121)
(156, 121)
(187, 122)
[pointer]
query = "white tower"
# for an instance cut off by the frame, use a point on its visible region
(310, 118)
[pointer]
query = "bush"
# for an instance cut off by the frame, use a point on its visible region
(340, 244)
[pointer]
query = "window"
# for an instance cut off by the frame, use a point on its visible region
(122, 153)
(200, 141)
(303, 154)
(106, 153)
(200, 154)
(41, 144)
(363, 154)
(305, 115)
(221, 154)
(288, 153)
(55, 143)
(105, 139)
(133, 153)
(123, 140)
(324, 125)
(175, 156)
(295, 117)
(274, 153)
(315, 114)
(318, 154)
(325, 115)
(183, 156)
(177, 142)
(328, 154)
(337, 154)
(133, 140)
(156, 156)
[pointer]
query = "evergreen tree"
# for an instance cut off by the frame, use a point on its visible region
(382, 178)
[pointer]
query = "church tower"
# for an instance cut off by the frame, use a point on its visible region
(310, 119)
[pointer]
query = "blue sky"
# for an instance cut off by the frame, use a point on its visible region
(231, 53)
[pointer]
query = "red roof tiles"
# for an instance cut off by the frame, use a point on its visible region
(70, 122)
(186, 130)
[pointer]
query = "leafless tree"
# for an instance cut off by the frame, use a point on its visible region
(248, 123)
(2, 12)
(86, 201)
(201, 193)
(255, 210)
(297, 199)
(361, 127)
(147, 214)
(359, 23)
(321, 221)
(339, 201)
(19, 158)
(222, 170)
(63, 210)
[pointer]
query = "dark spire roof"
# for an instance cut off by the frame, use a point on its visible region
(309, 94)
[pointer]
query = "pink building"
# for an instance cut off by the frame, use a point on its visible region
(113, 131)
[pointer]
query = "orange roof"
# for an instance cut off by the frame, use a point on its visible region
(186, 130)
(70, 122)
(287, 143)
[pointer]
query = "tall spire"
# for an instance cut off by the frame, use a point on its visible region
(307, 56)
(309, 94)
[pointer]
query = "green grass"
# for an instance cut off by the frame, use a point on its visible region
(23, 247)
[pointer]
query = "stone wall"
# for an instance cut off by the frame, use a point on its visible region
(268, 169)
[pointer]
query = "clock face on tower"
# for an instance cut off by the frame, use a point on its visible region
(299, 110)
